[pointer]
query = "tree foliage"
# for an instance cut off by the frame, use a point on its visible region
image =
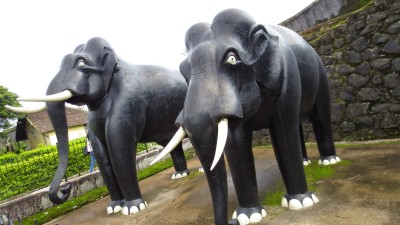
(6, 116)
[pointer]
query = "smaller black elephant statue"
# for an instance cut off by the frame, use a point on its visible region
(127, 104)
(243, 77)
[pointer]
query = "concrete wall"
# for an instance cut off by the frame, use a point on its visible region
(37, 201)
(34, 137)
(318, 11)
(73, 133)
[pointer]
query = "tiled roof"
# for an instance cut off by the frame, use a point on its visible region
(42, 123)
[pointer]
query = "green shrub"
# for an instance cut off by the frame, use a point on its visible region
(141, 147)
(35, 169)
(8, 158)
(3, 151)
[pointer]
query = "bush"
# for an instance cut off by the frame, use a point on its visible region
(35, 169)
(141, 147)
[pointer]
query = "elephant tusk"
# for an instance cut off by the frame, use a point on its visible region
(27, 109)
(221, 140)
(61, 96)
(178, 137)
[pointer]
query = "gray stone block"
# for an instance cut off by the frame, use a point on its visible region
(368, 94)
(391, 47)
(363, 69)
(394, 28)
(357, 80)
(357, 109)
(392, 80)
(360, 44)
(381, 64)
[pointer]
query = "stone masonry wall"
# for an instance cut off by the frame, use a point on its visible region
(317, 11)
(361, 53)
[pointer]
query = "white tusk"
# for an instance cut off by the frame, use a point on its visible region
(61, 96)
(178, 137)
(27, 109)
(221, 140)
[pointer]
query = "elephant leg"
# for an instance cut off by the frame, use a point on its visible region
(107, 173)
(285, 138)
(179, 160)
(122, 147)
(238, 150)
(323, 134)
(306, 160)
(321, 121)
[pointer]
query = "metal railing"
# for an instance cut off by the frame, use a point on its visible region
(35, 169)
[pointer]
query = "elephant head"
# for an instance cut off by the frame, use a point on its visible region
(83, 79)
(226, 63)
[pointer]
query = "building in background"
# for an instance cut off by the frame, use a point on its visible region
(36, 128)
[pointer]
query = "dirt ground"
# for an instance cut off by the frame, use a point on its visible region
(366, 192)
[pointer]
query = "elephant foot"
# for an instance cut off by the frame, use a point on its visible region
(201, 169)
(244, 216)
(115, 206)
(134, 206)
(328, 160)
(306, 161)
(180, 174)
(299, 201)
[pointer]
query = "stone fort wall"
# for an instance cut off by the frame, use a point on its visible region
(315, 13)
(361, 53)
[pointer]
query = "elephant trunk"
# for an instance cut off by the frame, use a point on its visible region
(57, 115)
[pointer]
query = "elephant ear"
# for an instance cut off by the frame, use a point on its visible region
(184, 68)
(79, 48)
(267, 58)
(179, 120)
(109, 63)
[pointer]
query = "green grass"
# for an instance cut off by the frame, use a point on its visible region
(358, 6)
(358, 144)
(314, 173)
(274, 197)
(69, 206)
(94, 195)
(350, 144)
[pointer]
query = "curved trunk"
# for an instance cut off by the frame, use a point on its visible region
(56, 112)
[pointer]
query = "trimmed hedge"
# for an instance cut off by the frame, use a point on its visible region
(35, 169)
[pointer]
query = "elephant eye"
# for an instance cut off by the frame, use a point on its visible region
(81, 63)
(231, 59)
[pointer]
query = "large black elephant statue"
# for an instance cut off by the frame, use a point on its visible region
(127, 104)
(243, 77)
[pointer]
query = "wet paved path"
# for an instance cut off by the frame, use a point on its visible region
(366, 192)
(186, 201)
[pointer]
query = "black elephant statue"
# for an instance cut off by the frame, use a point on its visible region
(243, 77)
(127, 104)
